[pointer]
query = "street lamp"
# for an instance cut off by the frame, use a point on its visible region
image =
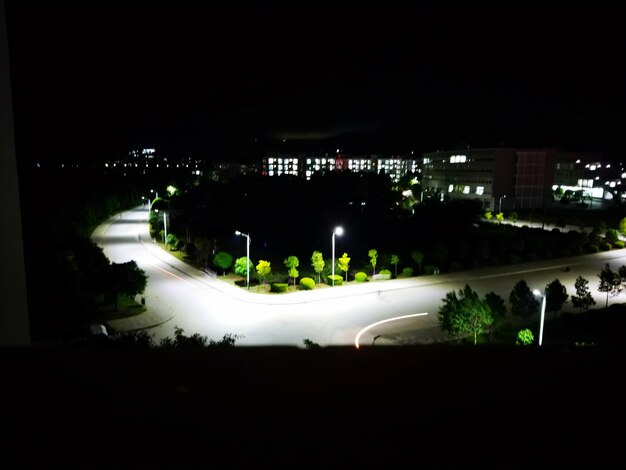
(500, 202)
(337, 231)
(543, 314)
(237, 232)
(164, 227)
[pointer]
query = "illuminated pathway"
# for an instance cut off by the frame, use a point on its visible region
(210, 307)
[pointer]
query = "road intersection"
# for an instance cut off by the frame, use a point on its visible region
(179, 295)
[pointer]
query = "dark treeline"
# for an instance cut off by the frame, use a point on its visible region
(290, 216)
(64, 269)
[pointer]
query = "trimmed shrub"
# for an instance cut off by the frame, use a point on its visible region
(360, 277)
(513, 259)
(605, 246)
(618, 244)
(454, 266)
(279, 287)
(407, 272)
(384, 271)
(591, 248)
(530, 256)
(306, 283)
(338, 280)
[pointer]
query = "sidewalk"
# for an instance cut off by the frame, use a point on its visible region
(156, 314)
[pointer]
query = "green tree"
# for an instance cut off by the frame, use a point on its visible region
(243, 265)
(622, 226)
(418, 257)
(488, 216)
(128, 280)
(500, 217)
(263, 269)
(223, 260)
(497, 308)
(292, 263)
(611, 235)
(523, 301)
(373, 255)
(610, 283)
(525, 337)
(556, 296)
(395, 259)
(317, 263)
(171, 240)
(465, 314)
(583, 298)
(344, 264)
(513, 217)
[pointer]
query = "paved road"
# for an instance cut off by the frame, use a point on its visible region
(183, 296)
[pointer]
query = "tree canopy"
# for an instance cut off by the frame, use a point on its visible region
(523, 301)
(464, 314)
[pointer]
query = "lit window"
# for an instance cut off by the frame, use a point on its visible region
(308, 160)
(466, 190)
(480, 190)
(450, 188)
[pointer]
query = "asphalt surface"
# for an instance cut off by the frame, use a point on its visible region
(179, 295)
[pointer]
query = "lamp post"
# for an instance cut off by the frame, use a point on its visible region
(337, 231)
(164, 227)
(237, 232)
(543, 314)
(500, 203)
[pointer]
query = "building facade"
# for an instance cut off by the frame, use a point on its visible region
(307, 165)
(500, 178)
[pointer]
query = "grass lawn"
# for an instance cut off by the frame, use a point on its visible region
(127, 307)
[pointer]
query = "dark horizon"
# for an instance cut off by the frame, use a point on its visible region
(91, 81)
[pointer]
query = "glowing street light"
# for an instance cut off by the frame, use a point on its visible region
(543, 314)
(337, 231)
(164, 227)
(500, 203)
(237, 232)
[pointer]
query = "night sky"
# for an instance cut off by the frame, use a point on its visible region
(93, 79)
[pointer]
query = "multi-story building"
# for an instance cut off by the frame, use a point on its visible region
(501, 178)
(306, 165)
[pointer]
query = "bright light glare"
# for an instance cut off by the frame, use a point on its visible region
(536, 292)
(339, 231)
(237, 232)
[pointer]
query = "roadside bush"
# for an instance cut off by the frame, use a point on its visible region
(618, 244)
(530, 256)
(360, 277)
(306, 283)
(513, 259)
(606, 246)
(338, 280)
(384, 271)
(407, 272)
(591, 248)
(279, 287)
(454, 266)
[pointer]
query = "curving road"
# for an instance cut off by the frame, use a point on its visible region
(201, 304)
